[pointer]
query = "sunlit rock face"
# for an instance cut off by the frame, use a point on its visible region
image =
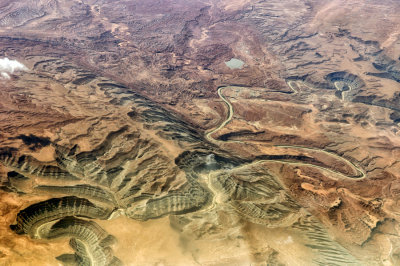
(199, 132)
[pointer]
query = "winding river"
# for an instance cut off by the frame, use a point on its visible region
(360, 173)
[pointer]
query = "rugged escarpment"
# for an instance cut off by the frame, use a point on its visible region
(129, 141)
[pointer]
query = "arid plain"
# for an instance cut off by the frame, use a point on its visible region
(200, 132)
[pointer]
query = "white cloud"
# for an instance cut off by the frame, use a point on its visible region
(8, 67)
(4, 75)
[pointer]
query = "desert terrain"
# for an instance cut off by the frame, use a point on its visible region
(201, 132)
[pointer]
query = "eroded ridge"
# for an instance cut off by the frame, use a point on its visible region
(90, 241)
(83, 190)
(195, 196)
(187, 201)
(27, 165)
(56, 218)
(117, 187)
(329, 252)
(86, 164)
(258, 196)
(345, 83)
(30, 220)
(124, 187)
